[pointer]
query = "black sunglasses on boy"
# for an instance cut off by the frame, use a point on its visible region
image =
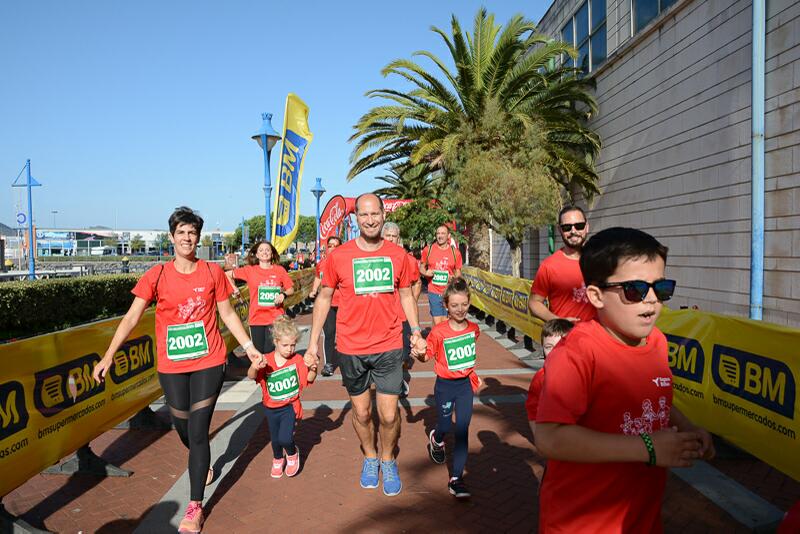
(636, 290)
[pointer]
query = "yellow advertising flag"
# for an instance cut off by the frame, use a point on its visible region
(296, 138)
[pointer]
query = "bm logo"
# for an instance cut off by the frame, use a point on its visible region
(13, 414)
(686, 358)
(65, 385)
(763, 381)
(133, 358)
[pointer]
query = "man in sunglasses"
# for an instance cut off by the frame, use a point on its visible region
(558, 280)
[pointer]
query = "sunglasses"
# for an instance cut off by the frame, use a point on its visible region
(637, 290)
(567, 227)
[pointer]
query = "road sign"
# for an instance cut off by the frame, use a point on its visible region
(21, 218)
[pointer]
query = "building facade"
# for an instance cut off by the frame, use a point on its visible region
(674, 94)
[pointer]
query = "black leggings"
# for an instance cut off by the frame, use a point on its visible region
(453, 394)
(281, 430)
(329, 329)
(191, 398)
(262, 338)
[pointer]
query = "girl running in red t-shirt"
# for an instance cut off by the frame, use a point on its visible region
(451, 344)
(269, 285)
(283, 375)
(188, 292)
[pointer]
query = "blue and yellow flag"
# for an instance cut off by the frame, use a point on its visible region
(296, 138)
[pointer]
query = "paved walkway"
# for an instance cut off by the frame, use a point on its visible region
(503, 471)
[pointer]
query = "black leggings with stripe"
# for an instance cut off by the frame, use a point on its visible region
(191, 398)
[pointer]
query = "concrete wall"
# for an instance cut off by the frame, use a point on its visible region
(675, 123)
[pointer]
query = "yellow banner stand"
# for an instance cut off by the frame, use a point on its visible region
(49, 403)
(735, 377)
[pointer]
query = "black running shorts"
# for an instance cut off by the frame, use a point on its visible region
(384, 369)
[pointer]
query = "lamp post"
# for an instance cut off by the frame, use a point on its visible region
(266, 138)
(54, 217)
(318, 191)
(30, 182)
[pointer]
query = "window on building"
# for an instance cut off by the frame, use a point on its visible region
(586, 31)
(646, 10)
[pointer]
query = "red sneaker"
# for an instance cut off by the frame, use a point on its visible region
(293, 463)
(193, 518)
(277, 468)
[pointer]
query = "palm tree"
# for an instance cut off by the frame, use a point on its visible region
(414, 182)
(513, 68)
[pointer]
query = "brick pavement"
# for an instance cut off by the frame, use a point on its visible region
(503, 472)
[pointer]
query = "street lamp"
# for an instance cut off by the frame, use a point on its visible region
(266, 138)
(54, 217)
(318, 191)
(29, 183)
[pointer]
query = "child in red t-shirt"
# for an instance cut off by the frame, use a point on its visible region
(283, 374)
(605, 419)
(268, 284)
(552, 332)
(451, 345)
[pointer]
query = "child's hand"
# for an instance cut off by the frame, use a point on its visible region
(310, 360)
(258, 363)
(676, 449)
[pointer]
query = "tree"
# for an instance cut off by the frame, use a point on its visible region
(137, 243)
(412, 182)
(512, 69)
(418, 221)
(111, 241)
(162, 242)
(206, 241)
(306, 229)
(231, 243)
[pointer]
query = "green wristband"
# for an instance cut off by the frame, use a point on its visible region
(651, 450)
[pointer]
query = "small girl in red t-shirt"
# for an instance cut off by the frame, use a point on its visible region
(283, 374)
(451, 344)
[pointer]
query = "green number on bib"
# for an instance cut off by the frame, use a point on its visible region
(440, 278)
(283, 384)
(373, 275)
(460, 351)
(267, 295)
(186, 341)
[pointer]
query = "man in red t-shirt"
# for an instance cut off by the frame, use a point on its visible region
(605, 420)
(440, 263)
(558, 279)
(372, 274)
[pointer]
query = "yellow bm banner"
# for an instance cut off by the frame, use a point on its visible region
(738, 378)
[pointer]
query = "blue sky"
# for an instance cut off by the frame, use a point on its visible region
(128, 109)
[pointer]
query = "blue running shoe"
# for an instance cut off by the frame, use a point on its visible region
(369, 473)
(391, 478)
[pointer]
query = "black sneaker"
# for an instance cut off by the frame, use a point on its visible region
(436, 450)
(328, 370)
(458, 489)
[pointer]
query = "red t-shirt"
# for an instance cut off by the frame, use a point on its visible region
(367, 321)
(453, 351)
(256, 277)
(186, 299)
(560, 281)
(336, 296)
(534, 392)
(279, 393)
(413, 276)
(599, 383)
(446, 261)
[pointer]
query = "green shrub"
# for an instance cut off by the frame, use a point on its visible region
(36, 307)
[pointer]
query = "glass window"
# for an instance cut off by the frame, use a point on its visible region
(644, 11)
(666, 3)
(598, 46)
(566, 33)
(599, 13)
(583, 57)
(582, 23)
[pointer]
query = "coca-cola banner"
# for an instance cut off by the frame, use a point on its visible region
(391, 204)
(332, 216)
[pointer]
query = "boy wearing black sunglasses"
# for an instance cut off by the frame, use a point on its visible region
(605, 419)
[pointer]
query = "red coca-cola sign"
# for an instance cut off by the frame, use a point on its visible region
(391, 204)
(331, 217)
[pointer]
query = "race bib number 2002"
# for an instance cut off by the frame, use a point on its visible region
(373, 275)
(186, 341)
(460, 351)
(283, 384)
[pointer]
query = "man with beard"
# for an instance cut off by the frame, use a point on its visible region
(372, 274)
(558, 280)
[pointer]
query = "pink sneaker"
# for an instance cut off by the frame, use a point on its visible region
(193, 518)
(293, 463)
(277, 468)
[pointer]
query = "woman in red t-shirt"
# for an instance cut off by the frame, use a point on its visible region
(188, 292)
(451, 344)
(269, 285)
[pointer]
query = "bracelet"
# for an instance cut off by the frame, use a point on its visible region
(651, 450)
(247, 345)
(415, 329)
